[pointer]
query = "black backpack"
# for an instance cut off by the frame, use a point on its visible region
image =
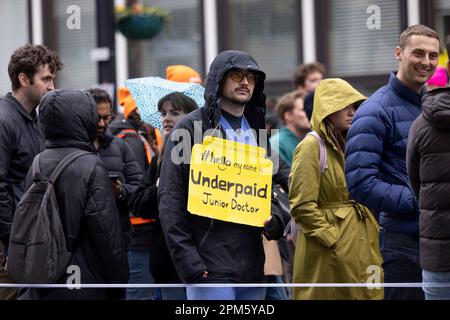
(38, 252)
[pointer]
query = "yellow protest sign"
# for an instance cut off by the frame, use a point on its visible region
(230, 181)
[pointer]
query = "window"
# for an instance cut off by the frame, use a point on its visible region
(267, 29)
(74, 45)
(180, 42)
(356, 50)
(14, 16)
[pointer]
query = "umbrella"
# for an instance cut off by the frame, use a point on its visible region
(148, 91)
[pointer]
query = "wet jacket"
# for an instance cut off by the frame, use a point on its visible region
(428, 160)
(229, 252)
(83, 191)
(376, 156)
(21, 140)
(338, 238)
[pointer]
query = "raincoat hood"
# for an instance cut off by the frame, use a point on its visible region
(221, 65)
(68, 118)
(332, 95)
(436, 108)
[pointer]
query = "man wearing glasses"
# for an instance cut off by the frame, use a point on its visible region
(123, 169)
(206, 250)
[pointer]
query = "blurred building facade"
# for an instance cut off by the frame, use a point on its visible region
(355, 39)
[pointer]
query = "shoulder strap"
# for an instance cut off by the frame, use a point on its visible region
(65, 162)
(35, 169)
(126, 132)
(149, 153)
(323, 151)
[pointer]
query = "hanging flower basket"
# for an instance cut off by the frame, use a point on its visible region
(141, 27)
(138, 22)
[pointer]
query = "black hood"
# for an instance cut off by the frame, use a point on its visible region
(436, 108)
(221, 65)
(68, 118)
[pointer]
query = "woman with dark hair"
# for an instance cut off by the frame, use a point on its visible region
(144, 204)
(338, 238)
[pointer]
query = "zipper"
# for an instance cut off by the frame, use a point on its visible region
(202, 242)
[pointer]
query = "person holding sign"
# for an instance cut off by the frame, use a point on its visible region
(338, 238)
(204, 249)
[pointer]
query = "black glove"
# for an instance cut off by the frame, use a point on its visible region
(274, 229)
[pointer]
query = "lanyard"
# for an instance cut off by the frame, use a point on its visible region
(245, 134)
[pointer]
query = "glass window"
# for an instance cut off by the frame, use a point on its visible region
(14, 16)
(354, 48)
(267, 30)
(178, 43)
(74, 45)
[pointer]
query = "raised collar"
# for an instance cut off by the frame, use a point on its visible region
(402, 90)
(16, 104)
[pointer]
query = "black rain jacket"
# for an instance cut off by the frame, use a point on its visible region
(83, 191)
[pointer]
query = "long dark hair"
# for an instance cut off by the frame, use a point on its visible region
(338, 137)
(179, 102)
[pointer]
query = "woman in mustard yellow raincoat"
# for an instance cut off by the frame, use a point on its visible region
(338, 238)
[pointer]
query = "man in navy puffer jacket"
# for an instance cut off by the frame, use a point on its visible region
(376, 158)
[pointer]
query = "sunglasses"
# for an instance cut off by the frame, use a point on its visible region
(238, 76)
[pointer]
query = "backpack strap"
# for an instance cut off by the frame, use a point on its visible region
(149, 153)
(36, 169)
(322, 149)
(65, 162)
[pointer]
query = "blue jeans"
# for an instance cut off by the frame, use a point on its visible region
(274, 293)
(400, 253)
(139, 273)
(435, 293)
(173, 293)
(229, 293)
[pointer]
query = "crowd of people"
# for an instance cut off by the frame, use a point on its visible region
(360, 184)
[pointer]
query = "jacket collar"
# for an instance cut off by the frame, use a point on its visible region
(16, 104)
(402, 90)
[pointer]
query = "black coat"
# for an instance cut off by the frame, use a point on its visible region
(231, 253)
(84, 195)
(21, 140)
(119, 159)
(140, 236)
(428, 164)
(144, 203)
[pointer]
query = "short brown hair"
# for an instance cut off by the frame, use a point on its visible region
(286, 103)
(304, 70)
(416, 30)
(27, 60)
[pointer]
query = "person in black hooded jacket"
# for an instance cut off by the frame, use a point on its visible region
(204, 249)
(428, 158)
(86, 202)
